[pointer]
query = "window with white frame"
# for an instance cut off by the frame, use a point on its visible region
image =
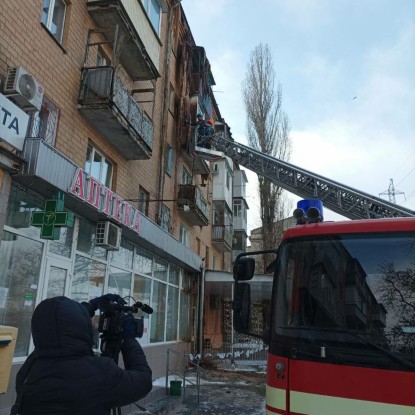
(53, 17)
(98, 166)
(184, 235)
(153, 10)
(44, 123)
(237, 208)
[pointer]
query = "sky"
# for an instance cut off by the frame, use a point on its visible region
(325, 53)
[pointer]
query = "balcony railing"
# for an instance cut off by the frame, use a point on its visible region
(193, 204)
(140, 46)
(222, 237)
(106, 104)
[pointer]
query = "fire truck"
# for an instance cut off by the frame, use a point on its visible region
(341, 321)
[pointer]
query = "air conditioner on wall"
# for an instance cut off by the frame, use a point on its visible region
(23, 89)
(108, 235)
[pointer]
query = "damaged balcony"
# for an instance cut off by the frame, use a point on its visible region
(193, 205)
(106, 103)
(139, 44)
(222, 237)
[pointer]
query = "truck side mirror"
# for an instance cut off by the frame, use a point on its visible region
(243, 269)
(242, 307)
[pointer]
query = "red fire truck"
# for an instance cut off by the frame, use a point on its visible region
(341, 326)
(341, 332)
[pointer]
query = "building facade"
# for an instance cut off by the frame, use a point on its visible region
(98, 191)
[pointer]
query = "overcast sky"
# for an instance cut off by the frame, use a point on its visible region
(325, 53)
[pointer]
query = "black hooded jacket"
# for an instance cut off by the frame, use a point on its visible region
(62, 375)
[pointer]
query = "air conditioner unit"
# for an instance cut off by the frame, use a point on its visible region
(23, 89)
(108, 235)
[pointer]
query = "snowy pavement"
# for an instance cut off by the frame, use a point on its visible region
(225, 393)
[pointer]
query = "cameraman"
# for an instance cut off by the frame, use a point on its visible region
(62, 375)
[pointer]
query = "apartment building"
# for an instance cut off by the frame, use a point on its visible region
(98, 190)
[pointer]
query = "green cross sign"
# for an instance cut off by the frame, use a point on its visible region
(51, 219)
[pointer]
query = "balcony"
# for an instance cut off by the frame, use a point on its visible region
(106, 104)
(193, 205)
(222, 237)
(140, 46)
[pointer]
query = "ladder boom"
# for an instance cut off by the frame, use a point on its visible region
(344, 200)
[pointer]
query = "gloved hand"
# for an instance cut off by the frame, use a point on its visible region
(95, 302)
(128, 327)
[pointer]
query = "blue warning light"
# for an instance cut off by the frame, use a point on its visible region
(308, 211)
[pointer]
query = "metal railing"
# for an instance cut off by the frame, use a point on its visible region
(246, 354)
(185, 361)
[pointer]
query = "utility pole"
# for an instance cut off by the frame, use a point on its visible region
(391, 192)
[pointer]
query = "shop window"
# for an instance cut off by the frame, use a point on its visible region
(19, 210)
(62, 246)
(44, 123)
(184, 311)
(53, 17)
(124, 256)
(86, 240)
(174, 274)
(158, 302)
(142, 290)
(143, 200)
(143, 262)
(119, 282)
(98, 166)
(160, 269)
(172, 313)
(20, 263)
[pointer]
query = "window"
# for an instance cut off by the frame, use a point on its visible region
(228, 179)
(165, 218)
(169, 167)
(102, 60)
(153, 10)
(183, 235)
(171, 100)
(237, 208)
(53, 17)
(186, 176)
(143, 199)
(45, 122)
(98, 166)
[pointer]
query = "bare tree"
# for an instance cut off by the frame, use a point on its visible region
(268, 131)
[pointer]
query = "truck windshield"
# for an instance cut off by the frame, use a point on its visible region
(349, 299)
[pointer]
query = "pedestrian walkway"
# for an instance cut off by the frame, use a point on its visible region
(222, 392)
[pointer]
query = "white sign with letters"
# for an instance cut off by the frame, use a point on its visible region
(13, 123)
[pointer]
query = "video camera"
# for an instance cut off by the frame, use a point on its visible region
(112, 315)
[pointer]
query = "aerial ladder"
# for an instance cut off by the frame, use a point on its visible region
(339, 198)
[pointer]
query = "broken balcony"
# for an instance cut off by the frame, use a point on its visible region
(193, 205)
(138, 43)
(106, 103)
(222, 237)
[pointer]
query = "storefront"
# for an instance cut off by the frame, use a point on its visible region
(150, 265)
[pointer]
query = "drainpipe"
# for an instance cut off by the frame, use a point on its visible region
(201, 300)
(165, 110)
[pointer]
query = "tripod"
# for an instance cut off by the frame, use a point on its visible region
(110, 347)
